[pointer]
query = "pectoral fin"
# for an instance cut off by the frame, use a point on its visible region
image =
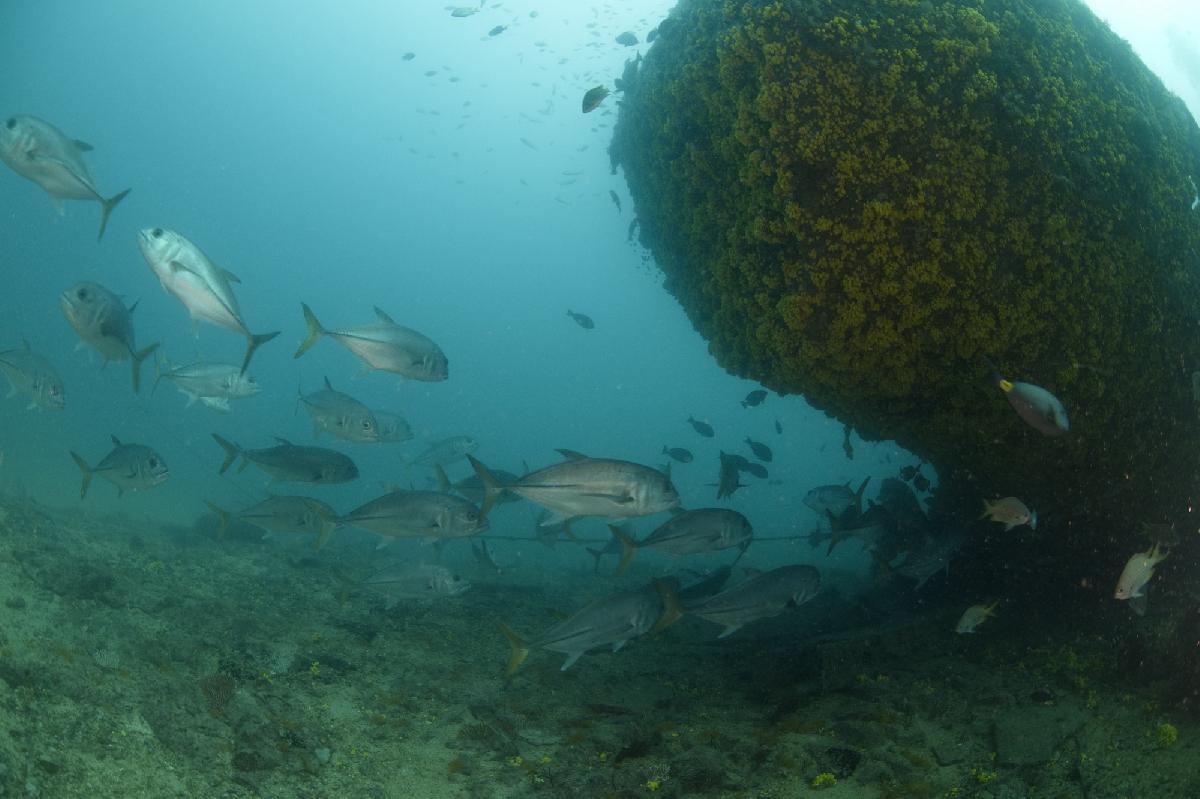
(83, 146)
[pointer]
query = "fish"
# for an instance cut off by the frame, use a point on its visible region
(652, 35)
(703, 428)
(628, 38)
(974, 616)
(778, 427)
(496, 31)
(473, 489)
(1040, 409)
(616, 200)
(418, 514)
(421, 582)
(1136, 575)
(678, 453)
(1011, 512)
(873, 528)
(754, 398)
(33, 376)
(729, 476)
(289, 463)
(756, 469)
(608, 621)
(462, 11)
(203, 287)
(409, 56)
(40, 152)
(846, 446)
(920, 482)
(760, 450)
(393, 428)
(583, 320)
(340, 415)
(922, 564)
(384, 345)
(213, 384)
(593, 97)
(101, 319)
(688, 533)
(836, 500)
(764, 595)
(444, 452)
(284, 514)
(708, 585)
(581, 486)
(633, 226)
(130, 467)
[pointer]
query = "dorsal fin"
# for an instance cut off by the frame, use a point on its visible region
(116, 441)
(327, 385)
(443, 482)
(284, 441)
(230, 276)
(383, 316)
(83, 146)
(572, 455)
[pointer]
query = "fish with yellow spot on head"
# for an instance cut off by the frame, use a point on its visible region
(1040, 409)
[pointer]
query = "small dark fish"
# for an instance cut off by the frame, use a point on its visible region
(778, 427)
(616, 200)
(496, 31)
(628, 38)
(703, 428)
(760, 450)
(529, 144)
(754, 398)
(583, 320)
(678, 453)
(593, 98)
(849, 450)
(408, 56)
(756, 469)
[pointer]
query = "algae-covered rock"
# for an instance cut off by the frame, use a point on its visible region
(858, 201)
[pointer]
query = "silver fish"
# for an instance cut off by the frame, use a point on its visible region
(393, 428)
(203, 287)
(693, 531)
(289, 463)
(284, 514)
(213, 384)
(608, 621)
(582, 486)
(40, 152)
(428, 514)
(33, 376)
(446, 451)
(102, 320)
(922, 564)
(836, 500)
(420, 582)
(340, 415)
(130, 467)
(763, 595)
(384, 345)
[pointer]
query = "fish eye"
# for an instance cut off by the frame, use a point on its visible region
(11, 123)
(157, 233)
(153, 463)
(82, 294)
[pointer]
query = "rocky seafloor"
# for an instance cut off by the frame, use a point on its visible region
(142, 660)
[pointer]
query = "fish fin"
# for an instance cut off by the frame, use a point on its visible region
(570, 661)
(106, 208)
(568, 532)
(729, 630)
(87, 474)
(116, 441)
(230, 276)
(443, 482)
(858, 495)
(176, 266)
(327, 528)
(1137, 603)
(383, 316)
(520, 650)
(253, 342)
(597, 554)
(82, 146)
(223, 520)
(58, 206)
(618, 645)
(491, 487)
(232, 451)
(191, 399)
(628, 549)
(1032, 520)
(572, 455)
(327, 383)
(137, 358)
(315, 331)
(672, 609)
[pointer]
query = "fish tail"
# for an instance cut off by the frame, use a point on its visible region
(520, 650)
(222, 520)
(106, 208)
(253, 342)
(672, 610)
(315, 331)
(87, 474)
(836, 537)
(628, 549)
(491, 486)
(597, 554)
(137, 358)
(327, 530)
(858, 495)
(232, 451)
(568, 532)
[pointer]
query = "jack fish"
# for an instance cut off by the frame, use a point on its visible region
(289, 463)
(103, 321)
(763, 595)
(32, 375)
(384, 345)
(130, 467)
